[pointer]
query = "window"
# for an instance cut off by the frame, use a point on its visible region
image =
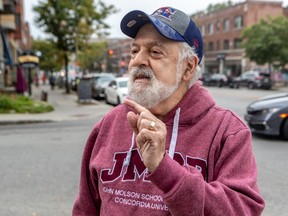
(226, 25)
(237, 43)
(203, 30)
(210, 28)
(226, 44)
(238, 22)
(217, 26)
(210, 46)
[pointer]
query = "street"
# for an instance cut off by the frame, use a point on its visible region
(40, 163)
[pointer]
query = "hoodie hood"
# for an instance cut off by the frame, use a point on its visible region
(195, 103)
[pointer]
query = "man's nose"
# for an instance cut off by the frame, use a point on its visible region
(141, 58)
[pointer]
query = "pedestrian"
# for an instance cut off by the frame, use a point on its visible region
(52, 81)
(168, 149)
(44, 79)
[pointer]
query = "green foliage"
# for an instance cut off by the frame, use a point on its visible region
(213, 7)
(71, 23)
(266, 41)
(50, 59)
(91, 57)
(218, 6)
(22, 104)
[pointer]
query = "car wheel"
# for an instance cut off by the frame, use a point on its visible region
(106, 99)
(118, 100)
(284, 129)
(251, 85)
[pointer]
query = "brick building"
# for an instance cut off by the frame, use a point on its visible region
(222, 31)
(15, 37)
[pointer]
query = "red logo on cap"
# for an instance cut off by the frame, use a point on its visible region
(195, 42)
(165, 12)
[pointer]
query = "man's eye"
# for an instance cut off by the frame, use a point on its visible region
(155, 53)
(134, 52)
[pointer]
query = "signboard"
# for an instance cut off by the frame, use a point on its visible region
(84, 90)
(28, 60)
(220, 56)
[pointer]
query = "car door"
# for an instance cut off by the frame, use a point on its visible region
(111, 92)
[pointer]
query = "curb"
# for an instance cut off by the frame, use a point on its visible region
(11, 122)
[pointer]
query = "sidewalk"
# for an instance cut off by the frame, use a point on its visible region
(66, 107)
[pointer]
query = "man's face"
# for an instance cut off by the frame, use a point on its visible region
(155, 71)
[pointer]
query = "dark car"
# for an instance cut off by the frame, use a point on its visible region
(269, 115)
(218, 79)
(252, 79)
(99, 82)
(205, 77)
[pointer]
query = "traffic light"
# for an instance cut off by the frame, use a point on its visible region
(110, 52)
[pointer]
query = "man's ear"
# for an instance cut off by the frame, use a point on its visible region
(191, 65)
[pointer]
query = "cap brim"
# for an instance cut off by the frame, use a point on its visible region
(134, 20)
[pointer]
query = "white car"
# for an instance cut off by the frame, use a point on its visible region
(116, 91)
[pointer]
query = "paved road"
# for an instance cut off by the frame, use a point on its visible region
(271, 153)
(39, 166)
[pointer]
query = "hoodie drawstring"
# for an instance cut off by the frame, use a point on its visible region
(128, 157)
(173, 141)
(174, 134)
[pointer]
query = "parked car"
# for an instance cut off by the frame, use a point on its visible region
(205, 77)
(116, 91)
(99, 82)
(218, 79)
(252, 79)
(269, 115)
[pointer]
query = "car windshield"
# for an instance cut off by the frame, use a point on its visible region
(123, 84)
(105, 79)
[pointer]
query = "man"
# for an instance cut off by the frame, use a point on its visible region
(168, 150)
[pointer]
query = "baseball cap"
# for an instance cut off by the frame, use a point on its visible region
(169, 22)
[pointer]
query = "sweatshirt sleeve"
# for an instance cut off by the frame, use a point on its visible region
(87, 201)
(232, 190)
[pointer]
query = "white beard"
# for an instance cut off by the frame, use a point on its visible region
(151, 94)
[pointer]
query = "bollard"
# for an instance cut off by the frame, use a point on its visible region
(44, 96)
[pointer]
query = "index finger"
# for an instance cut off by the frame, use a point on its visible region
(135, 106)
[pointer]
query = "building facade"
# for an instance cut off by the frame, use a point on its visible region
(222, 29)
(15, 37)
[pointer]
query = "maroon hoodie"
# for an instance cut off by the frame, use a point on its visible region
(213, 170)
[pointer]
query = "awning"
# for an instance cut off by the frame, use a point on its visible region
(8, 21)
(7, 50)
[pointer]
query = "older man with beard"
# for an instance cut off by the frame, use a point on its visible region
(169, 149)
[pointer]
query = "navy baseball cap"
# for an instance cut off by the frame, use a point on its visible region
(169, 22)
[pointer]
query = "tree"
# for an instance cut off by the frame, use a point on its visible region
(50, 59)
(70, 24)
(93, 56)
(266, 41)
(218, 6)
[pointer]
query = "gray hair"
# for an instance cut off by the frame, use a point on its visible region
(187, 52)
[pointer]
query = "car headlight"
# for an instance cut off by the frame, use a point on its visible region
(269, 110)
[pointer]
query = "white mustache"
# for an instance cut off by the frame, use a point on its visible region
(137, 71)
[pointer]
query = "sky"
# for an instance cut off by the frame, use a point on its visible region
(125, 6)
